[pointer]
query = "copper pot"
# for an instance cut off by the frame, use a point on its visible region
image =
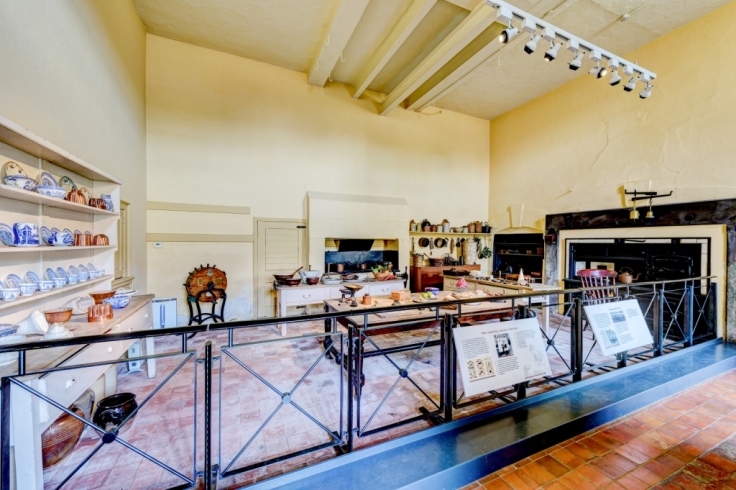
(76, 196)
(97, 203)
(99, 296)
(80, 240)
(100, 239)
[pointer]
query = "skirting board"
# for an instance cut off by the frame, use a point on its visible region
(198, 237)
(196, 208)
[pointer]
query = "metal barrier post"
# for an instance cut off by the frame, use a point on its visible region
(449, 366)
(713, 308)
(688, 314)
(207, 476)
(658, 318)
(576, 342)
(5, 434)
(351, 387)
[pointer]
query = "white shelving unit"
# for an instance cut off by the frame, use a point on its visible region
(37, 155)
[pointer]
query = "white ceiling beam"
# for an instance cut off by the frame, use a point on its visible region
(406, 25)
(457, 69)
(465, 4)
(345, 19)
(471, 27)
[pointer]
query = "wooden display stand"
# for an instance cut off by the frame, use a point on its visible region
(206, 285)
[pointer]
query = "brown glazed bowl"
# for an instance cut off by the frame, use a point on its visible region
(100, 295)
(291, 282)
(58, 441)
(99, 313)
(312, 280)
(58, 315)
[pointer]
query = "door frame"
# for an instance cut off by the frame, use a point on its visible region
(256, 221)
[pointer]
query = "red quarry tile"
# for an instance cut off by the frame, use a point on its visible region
(620, 461)
(606, 441)
(685, 452)
(497, 484)
(630, 452)
(646, 476)
(594, 475)
(537, 473)
(567, 458)
(658, 468)
(706, 471)
(615, 486)
(704, 440)
(720, 462)
(576, 481)
(722, 428)
(595, 446)
(669, 461)
(699, 421)
(661, 441)
(488, 478)
(555, 485)
(519, 481)
(647, 448)
(553, 466)
(469, 486)
(631, 482)
(685, 481)
(608, 467)
(581, 452)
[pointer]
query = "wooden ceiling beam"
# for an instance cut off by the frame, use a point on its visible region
(406, 25)
(471, 27)
(345, 19)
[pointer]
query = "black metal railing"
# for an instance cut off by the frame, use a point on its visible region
(351, 403)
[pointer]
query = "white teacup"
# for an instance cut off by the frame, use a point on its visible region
(34, 324)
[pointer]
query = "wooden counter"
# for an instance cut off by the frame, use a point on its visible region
(426, 277)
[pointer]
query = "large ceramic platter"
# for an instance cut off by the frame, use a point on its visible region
(45, 178)
(6, 234)
(32, 277)
(13, 168)
(67, 183)
(13, 280)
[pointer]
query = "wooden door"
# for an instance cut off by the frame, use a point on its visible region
(280, 249)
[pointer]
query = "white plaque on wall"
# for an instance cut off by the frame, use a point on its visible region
(499, 354)
(618, 326)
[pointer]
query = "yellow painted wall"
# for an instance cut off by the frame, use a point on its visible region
(73, 72)
(231, 131)
(576, 147)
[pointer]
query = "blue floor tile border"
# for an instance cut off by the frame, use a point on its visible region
(451, 455)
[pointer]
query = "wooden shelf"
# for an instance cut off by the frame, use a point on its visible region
(19, 137)
(438, 233)
(18, 194)
(38, 296)
(47, 248)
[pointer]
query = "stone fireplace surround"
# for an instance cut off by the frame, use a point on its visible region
(681, 219)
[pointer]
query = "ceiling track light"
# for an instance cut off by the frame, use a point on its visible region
(508, 34)
(577, 61)
(551, 53)
(541, 29)
(531, 46)
(631, 85)
(647, 92)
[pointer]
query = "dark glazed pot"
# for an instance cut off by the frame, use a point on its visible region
(112, 410)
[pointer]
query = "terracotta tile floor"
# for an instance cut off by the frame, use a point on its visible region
(686, 441)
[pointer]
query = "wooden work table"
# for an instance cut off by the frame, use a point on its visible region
(30, 416)
(428, 276)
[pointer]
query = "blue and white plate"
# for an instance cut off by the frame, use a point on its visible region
(82, 268)
(13, 280)
(50, 274)
(67, 183)
(6, 234)
(32, 277)
(73, 270)
(46, 235)
(45, 178)
(91, 267)
(107, 199)
(60, 272)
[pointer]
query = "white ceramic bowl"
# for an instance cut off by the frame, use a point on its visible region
(27, 288)
(59, 282)
(73, 278)
(9, 294)
(51, 191)
(20, 181)
(45, 285)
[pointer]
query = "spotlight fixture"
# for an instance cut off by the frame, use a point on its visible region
(531, 46)
(508, 34)
(577, 61)
(551, 53)
(598, 71)
(631, 85)
(615, 78)
(647, 92)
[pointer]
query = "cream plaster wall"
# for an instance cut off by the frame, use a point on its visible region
(575, 148)
(231, 131)
(73, 72)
